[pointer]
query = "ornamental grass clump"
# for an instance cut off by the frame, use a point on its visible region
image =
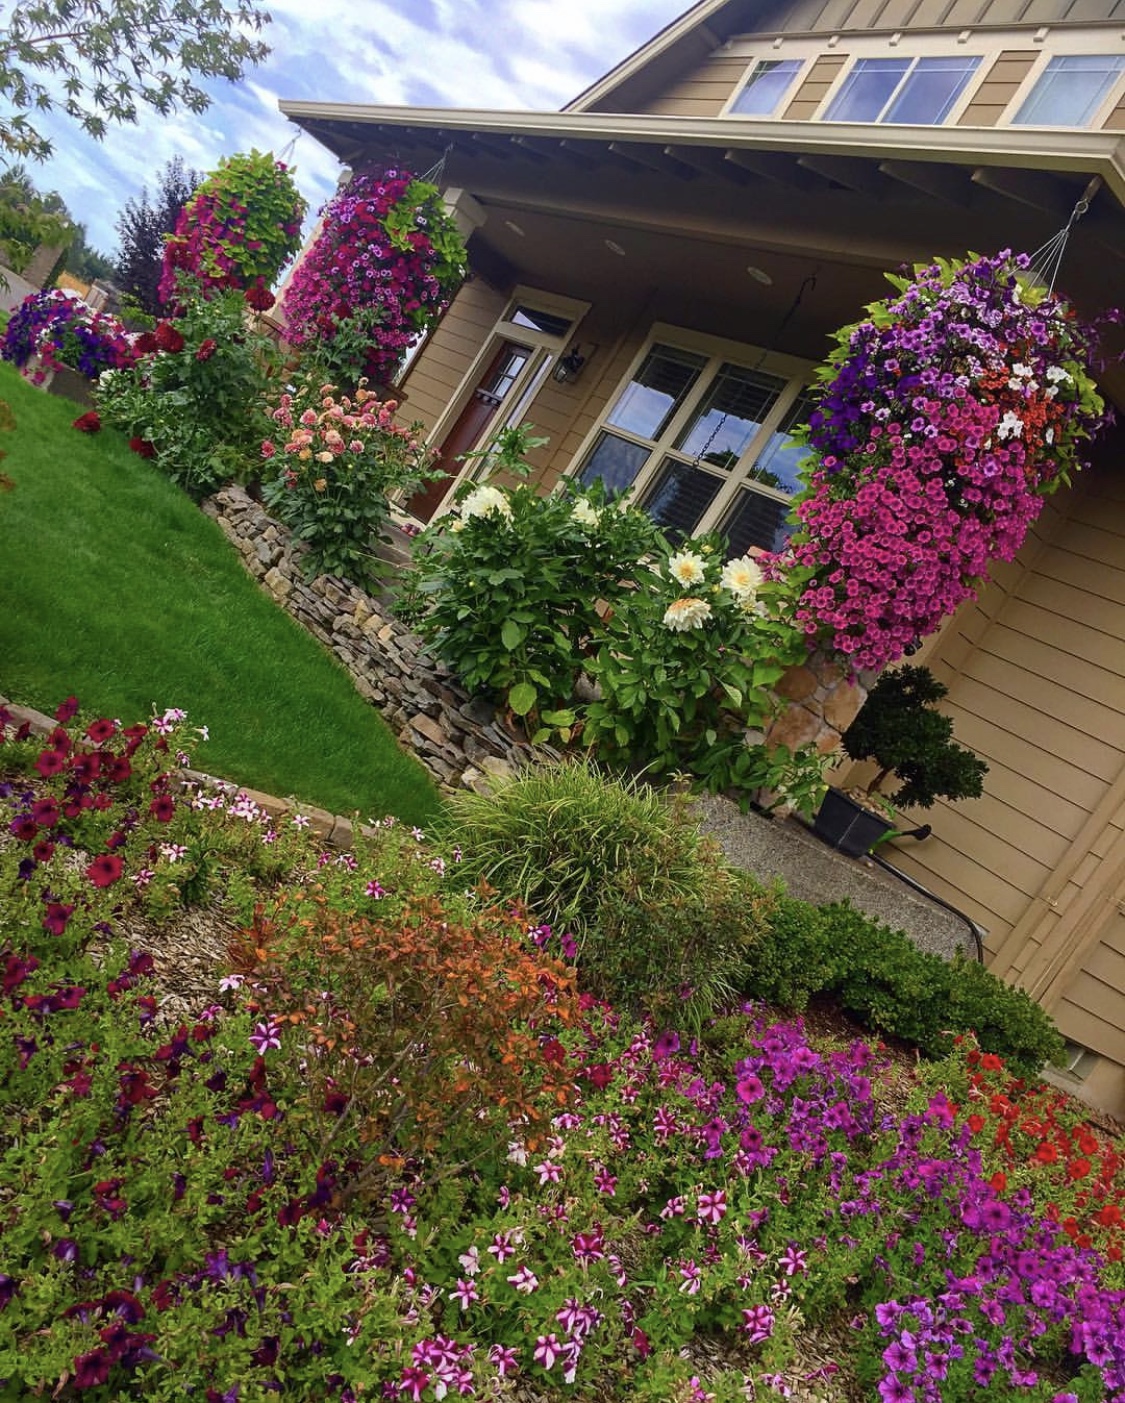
(59, 329)
(338, 458)
(943, 421)
(388, 261)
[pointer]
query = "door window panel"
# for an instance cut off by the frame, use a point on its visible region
(777, 464)
(656, 391)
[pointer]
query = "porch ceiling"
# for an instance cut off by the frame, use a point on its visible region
(693, 202)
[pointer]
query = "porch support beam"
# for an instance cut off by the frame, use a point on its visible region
(1030, 188)
(853, 172)
(945, 183)
(775, 167)
(709, 163)
(652, 158)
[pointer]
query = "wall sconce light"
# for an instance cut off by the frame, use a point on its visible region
(570, 366)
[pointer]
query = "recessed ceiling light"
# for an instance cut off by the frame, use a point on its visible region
(514, 227)
(615, 247)
(760, 275)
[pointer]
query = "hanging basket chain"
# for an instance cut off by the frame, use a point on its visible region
(1045, 261)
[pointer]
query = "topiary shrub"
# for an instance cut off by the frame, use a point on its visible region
(658, 920)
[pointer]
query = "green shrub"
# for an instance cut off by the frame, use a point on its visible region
(657, 918)
(195, 400)
(880, 977)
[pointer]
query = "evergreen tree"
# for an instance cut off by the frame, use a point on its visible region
(141, 227)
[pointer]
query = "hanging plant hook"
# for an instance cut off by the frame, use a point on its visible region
(1046, 260)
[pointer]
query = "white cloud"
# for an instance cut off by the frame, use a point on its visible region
(532, 54)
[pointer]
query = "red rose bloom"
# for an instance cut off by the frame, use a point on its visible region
(260, 298)
(88, 423)
(105, 870)
(206, 349)
(168, 338)
(142, 447)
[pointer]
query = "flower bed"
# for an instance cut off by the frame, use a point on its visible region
(552, 1196)
(53, 330)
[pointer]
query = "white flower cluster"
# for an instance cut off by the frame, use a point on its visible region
(486, 500)
(741, 578)
(686, 613)
(584, 514)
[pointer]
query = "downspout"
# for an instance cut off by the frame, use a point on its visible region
(974, 930)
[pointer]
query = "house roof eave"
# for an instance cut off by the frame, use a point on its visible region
(1059, 150)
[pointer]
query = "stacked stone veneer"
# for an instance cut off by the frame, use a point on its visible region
(460, 739)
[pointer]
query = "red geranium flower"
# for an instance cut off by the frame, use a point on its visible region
(162, 808)
(142, 447)
(168, 338)
(206, 349)
(1078, 1168)
(1046, 1153)
(88, 423)
(105, 870)
(146, 343)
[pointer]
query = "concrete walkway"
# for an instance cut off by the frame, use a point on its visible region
(785, 850)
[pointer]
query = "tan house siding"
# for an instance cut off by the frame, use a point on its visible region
(1036, 689)
(1115, 122)
(432, 380)
(703, 92)
(833, 16)
(998, 88)
(813, 90)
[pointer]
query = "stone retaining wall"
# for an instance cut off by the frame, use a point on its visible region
(460, 739)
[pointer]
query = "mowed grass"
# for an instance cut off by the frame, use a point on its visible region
(114, 587)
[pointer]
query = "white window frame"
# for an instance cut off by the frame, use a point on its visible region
(912, 60)
(546, 350)
(1069, 45)
(786, 98)
(985, 44)
(797, 372)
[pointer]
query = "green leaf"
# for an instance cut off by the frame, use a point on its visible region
(558, 718)
(522, 698)
(511, 634)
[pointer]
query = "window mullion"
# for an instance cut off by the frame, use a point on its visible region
(890, 102)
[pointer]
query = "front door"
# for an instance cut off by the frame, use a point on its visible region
(470, 425)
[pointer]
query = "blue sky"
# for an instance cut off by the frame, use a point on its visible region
(535, 54)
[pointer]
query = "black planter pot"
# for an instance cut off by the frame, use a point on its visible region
(847, 826)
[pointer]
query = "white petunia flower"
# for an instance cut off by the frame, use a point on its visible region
(742, 577)
(686, 567)
(687, 613)
(1058, 376)
(1011, 426)
(485, 500)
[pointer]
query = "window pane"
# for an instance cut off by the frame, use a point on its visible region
(678, 498)
(614, 461)
(766, 87)
(777, 464)
(656, 391)
(867, 89)
(547, 322)
(928, 95)
(755, 520)
(1071, 90)
(730, 414)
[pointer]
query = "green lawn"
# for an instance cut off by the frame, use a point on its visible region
(115, 588)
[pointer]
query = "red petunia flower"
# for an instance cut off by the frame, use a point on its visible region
(142, 447)
(168, 338)
(260, 298)
(43, 851)
(100, 730)
(162, 808)
(117, 769)
(1078, 1168)
(50, 762)
(206, 349)
(1046, 1153)
(88, 423)
(45, 812)
(105, 870)
(56, 918)
(66, 710)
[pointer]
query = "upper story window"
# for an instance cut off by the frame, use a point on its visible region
(769, 81)
(1070, 90)
(705, 442)
(918, 91)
